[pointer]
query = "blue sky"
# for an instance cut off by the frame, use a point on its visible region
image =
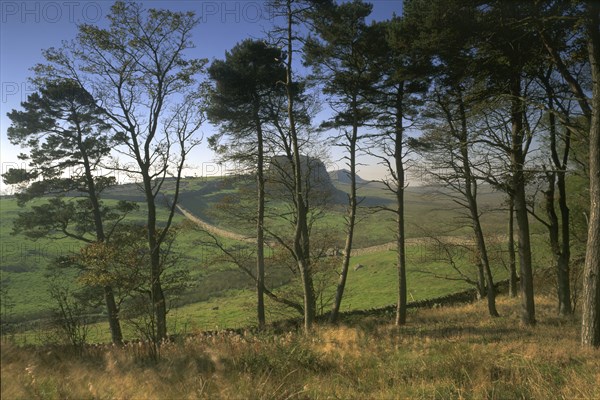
(27, 27)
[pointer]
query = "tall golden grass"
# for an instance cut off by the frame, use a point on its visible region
(455, 352)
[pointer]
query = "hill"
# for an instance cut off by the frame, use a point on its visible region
(343, 176)
(223, 286)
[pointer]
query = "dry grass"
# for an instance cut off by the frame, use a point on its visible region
(442, 353)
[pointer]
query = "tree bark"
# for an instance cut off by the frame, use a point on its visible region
(560, 259)
(480, 279)
(159, 306)
(260, 220)
(351, 219)
(111, 305)
(590, 325)
(520, 203)
(401, 307)
(301, 235)
(564, 270)
(558, 229)
(512, 261)
(484, 259)
(471, 196)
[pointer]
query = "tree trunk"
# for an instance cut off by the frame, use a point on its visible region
(158, 296)
(519, 198)
(310, 302)
(351, 220)
(302, 251)
(489, 280)
(524, 246)
(480, 279)
(401, 307)
(559, 230)
(111, 306)
(512, 261)
(564, 270)
(590, 325)
(159, 306)
(112, 310)
(561, 262)
(260, 220)
(113, 316)
(490, 289)
(471, 196)
(301, 235)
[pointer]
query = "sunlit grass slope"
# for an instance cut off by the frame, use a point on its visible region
(448, 352)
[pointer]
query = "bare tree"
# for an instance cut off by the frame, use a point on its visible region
(137, 69)
(450, 149)
(292, 13)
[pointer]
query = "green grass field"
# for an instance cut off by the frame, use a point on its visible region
(426, 212)
(218, 294)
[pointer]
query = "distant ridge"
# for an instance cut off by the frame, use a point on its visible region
(343, 176)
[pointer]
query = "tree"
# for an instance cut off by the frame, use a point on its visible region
(567, 30)
(122, 263)
(510, 245)
(138, 70)
(402, 78)
(507, 50)
(590, 326)
(341, 54)
(450, 144)
(292, 13)
(560, 32)
(65, 130)
(245, 82)
(560, 131)
(450, 149)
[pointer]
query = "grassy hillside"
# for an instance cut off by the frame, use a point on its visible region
(449, 352)
(24, 264)
(428, 211)
(24, 261)
(219, 294)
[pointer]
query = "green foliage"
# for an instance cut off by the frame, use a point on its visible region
(65, 133)
(25, 261)
(342, 52)
(246, 83)
(68, 120)
(61, 217)
(122, 263)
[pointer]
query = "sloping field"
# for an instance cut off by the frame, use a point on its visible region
(220, 294)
